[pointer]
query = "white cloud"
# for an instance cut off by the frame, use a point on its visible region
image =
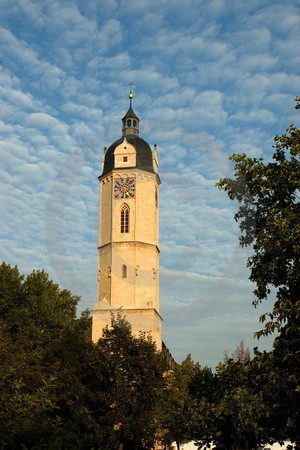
(281, 19)
(253, 41)
(211, 79)
(107, 62)
(257, 115)
(17, 98)
(42, 120)
(15, 51)
(83, 111)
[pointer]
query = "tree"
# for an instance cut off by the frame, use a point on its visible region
(42, 349)
(268, 194)
(269, 211)
(135, 384)
(270, 378)
(227, 409)
(176, 400)
(241, 354)
(60, 390)
(204, 392)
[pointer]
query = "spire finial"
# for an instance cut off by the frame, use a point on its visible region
(131, 83)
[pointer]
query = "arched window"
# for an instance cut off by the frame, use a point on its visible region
(125, 219)
(124, 271)
(129, 122)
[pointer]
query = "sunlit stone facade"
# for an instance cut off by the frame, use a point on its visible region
(128, 262)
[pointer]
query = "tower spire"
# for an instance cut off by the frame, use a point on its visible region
(130, 121)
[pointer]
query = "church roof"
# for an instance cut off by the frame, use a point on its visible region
(143, 154)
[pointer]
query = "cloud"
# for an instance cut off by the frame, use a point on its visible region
(18, 52)
(211, 79)
(280, 19)
(254, 41)
(258, 115)
(82, 111)
(17, 98)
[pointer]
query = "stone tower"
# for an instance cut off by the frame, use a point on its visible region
(128, 262)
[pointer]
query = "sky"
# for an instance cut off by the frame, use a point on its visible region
(212, 78)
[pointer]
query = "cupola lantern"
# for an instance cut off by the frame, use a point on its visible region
(130, 122)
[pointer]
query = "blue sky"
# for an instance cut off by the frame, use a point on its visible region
(212, 78)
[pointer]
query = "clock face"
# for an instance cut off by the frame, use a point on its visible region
(124, 188)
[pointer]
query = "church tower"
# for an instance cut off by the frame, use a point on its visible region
(128, 261)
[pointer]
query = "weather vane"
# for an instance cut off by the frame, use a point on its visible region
(131, 83)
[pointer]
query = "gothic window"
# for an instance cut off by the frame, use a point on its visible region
(134, 123)
(129, 122)
(124, 271)
(125, 219)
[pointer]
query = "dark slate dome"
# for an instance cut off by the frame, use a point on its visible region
(143, 154)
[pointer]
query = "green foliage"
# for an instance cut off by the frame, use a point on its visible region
(135, 371)
(41, 340)
(176, 401)
(227, 409)
(268, 214)
(58, 390)
(269, 210)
